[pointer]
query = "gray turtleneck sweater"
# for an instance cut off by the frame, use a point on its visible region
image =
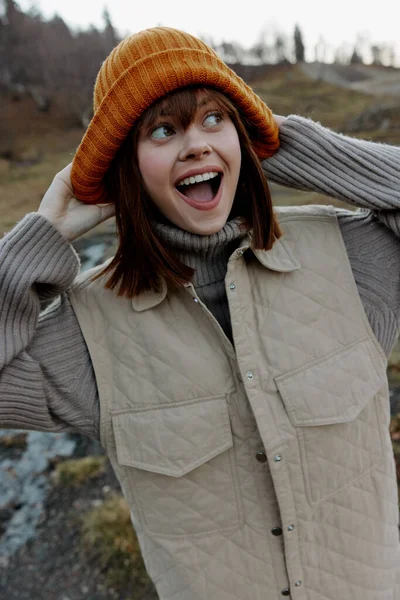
(46, 377)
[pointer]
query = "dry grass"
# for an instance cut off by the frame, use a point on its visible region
(23, 187)
(394, 365)
(290, 91)
(75, 472)
(14, 440)
(110, 539)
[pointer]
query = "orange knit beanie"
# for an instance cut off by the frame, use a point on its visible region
(140, 70)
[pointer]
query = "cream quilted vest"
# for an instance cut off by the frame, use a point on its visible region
(264, 471)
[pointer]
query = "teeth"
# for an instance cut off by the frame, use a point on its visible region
(198, 178)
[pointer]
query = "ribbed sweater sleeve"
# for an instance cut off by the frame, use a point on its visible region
(46, 378)
(317, 159)
(363, 173)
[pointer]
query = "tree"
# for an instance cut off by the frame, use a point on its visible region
(343, 54)
(391, 56)
(377, 54)
(320, 50)
(356, 58)
(259, 52)
(231, 52)
(299, 50)
(280, 49)
(110, 36)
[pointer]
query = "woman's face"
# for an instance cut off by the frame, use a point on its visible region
(191, 173)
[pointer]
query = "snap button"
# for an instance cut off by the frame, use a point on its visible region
(285, 592)
(232, 286)
(249, 375)
(261, 457)
(297, 583)
(239, 252)
(290, 527)
(277, 458)
(276, 531)
(196, 299)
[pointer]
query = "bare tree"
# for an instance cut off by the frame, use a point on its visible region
(377, 52)
(320, 50)
(260, 52)
(343, 54)
(48, 61)
(271, 47)
(281, 48)
(391, 54)
(231, 52)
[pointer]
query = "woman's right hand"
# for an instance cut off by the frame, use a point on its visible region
(71, 217)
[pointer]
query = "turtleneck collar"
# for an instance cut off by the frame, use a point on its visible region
(207, 254)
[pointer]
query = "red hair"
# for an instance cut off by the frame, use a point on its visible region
(142, 258)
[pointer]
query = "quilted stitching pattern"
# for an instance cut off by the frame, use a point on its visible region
(345, 540)
(173, 439)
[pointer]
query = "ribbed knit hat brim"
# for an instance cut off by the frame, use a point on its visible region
(142, 69)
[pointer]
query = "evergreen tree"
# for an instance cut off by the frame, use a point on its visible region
(299, 50)
(109, 33)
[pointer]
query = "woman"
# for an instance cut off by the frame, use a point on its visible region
(230, 358)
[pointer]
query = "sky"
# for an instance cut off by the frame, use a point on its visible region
(338, 22)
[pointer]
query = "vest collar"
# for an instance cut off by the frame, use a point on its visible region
(149, 299)
(280, 258)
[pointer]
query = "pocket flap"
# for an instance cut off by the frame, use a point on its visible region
(173, 439)
(334, 389)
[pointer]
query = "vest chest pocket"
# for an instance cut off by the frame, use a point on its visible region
(179, 466)
(334, 406)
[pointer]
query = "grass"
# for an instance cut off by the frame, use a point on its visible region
(22, 188)
(109, 538)
(290, 91)
(75, 472)
(16, 440)
(394, 365)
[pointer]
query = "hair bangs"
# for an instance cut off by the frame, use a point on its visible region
(182, 105)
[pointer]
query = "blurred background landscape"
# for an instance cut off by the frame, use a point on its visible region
(65, 532)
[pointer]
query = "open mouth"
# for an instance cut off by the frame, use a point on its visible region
(201, 188)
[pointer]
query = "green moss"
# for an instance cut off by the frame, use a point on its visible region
(76, 472)
(109, 538)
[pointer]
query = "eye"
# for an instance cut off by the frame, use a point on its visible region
(161, 132)
(213, 119)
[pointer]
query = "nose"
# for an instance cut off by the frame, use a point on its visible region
(195, 146)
